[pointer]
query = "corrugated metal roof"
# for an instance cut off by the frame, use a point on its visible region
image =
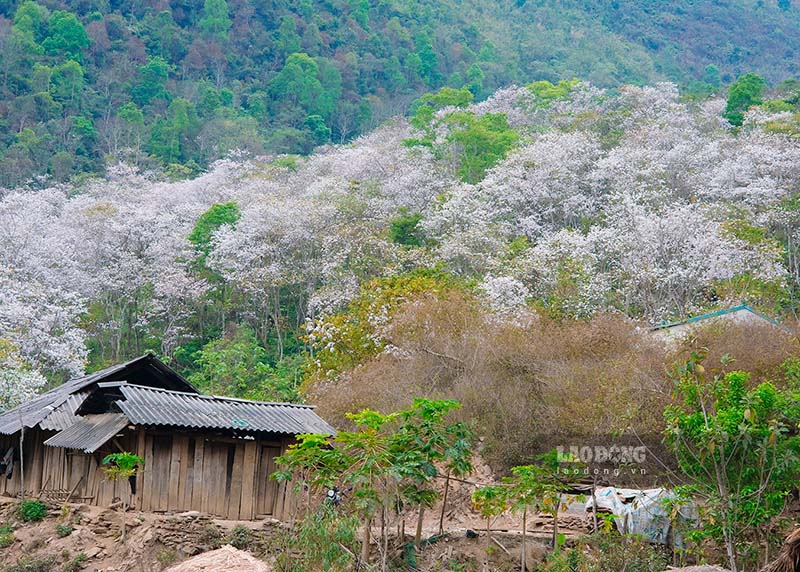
(148, 406)
(33, 412)
(89, 433)
(715, 314)
(63, 416)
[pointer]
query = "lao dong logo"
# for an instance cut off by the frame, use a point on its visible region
(602, 459)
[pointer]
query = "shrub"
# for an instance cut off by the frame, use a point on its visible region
(6, 535)
(118, 466)
(241, 537)
(210, 536)
(76, 563)
(63, 530)
(166, 557)
(31, 510)
(33, 564)
(521, 383)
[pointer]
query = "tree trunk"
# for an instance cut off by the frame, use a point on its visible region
(444, 503)
(365, 543)
(524, 558)
(731, 550)
(555, 523)
(384, 542)
(418, 535)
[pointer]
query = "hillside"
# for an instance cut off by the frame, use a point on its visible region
(563, 199)
(481, 275)
(172, 86)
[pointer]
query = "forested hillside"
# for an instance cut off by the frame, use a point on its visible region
(563, 201)
(173, 86)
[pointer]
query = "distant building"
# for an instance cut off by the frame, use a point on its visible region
(740, 315)
(205, 453)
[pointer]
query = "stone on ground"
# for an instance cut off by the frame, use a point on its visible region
(226, 558)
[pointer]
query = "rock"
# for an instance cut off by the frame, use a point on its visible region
(226, 558)
(93, 552)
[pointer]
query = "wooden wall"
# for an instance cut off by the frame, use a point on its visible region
(228, 478)
(225, 477)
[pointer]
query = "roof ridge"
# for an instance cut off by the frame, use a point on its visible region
(210, 397)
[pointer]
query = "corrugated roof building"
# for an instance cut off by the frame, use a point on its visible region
(201, 452)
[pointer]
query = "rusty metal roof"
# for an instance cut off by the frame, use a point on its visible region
(89, 433)
(33, 412)
(148, 406)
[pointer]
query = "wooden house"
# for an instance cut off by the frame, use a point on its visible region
(205, 453)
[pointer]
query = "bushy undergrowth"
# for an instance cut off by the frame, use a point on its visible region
(607, 553)
(323, 540)
(33, 564)
(520, 382)
(525, 380)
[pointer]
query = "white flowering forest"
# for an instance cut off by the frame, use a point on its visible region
(571, 200)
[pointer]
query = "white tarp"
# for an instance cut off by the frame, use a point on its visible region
(642, 512)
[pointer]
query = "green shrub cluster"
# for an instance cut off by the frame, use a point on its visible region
(31, 510)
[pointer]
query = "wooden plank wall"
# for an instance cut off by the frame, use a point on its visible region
(228, 478)
(55, 468)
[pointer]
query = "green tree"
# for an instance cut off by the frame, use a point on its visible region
(288, 40)
(535, 488)
(32, 19)
(133, 125)
(299, 86)
(152, 81)
(345, 340)
(67, 81)
(130, 113)
(490, 502)
(170, 135)
(238, 365)
(320, 132)
(404, 228)
(546, 93)
(475, 79)
(66, 36)
(428, 60)
(737, 447)
(386, 461)
(312, 40)
(218, 215)
(712, 76)
(430, 103)
(216, 21)
(743, 94)
(532, 488)
(331, 80)
(479, 143)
